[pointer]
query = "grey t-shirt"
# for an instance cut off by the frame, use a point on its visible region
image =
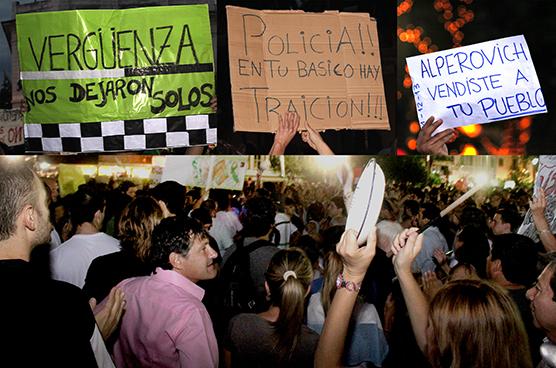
(251, 341)
(259, 261)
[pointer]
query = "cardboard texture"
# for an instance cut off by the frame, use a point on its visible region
(325, 66)
(11, 127)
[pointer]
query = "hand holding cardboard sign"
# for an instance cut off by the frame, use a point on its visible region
(314, 139)
(287, 127)
(436, 145)
(538, 204)
(329, 72)
(214, 103)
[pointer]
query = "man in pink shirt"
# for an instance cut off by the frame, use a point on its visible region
(165, 323)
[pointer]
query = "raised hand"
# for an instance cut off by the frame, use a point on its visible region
(356, 259)
(434, 145)
(315, 141)
(440, 256)
(431, 284)
(406, 246)
(214, 103)
(538, 204)
(287, 128)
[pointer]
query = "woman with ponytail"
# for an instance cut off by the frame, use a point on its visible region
(276, 337)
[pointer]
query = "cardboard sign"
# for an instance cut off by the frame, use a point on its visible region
(105, 65)
(546, 180)
(11, 128)
(226, 172)
(324, 66)
(476, 84)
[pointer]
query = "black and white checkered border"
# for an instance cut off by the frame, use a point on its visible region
(122, 135)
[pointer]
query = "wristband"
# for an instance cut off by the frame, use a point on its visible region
(543, 231)
(349, 285)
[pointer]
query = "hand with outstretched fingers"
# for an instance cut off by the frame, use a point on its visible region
(434, 145)
(287, 128)
(440, 256)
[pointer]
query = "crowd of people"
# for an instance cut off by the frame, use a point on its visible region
(125, 275)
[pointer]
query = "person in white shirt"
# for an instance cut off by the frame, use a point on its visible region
(70, 261)
(226, 223)
(284, 226)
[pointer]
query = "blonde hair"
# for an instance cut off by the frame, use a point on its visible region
(473, 323)
(288, 293)
(332, 267)
(136, 225)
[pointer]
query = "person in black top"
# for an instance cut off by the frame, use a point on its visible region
(44, 322)
(512, 264)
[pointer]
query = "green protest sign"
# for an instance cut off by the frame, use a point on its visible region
(106, 65)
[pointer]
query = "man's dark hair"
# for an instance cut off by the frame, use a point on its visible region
(316, 211)
(194, 193)
(17, 188)
(339, 203)
(84, 204)
(202, 214)
(430, 211)
(473, 216)
(174, 235)
(172, 194)
(310, 246)
(221, 197)
(411, 206)
(475, 248)
(518, 256)
(125, 185)
(210, 205)
(510, 216)
(288, 201)
(259, 216)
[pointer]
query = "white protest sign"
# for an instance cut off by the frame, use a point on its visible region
(546, 180)
(226, 172)
(476, 84)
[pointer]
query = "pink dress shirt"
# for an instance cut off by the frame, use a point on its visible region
(165, 324)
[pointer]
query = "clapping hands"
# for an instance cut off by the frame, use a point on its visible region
(288, 126)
